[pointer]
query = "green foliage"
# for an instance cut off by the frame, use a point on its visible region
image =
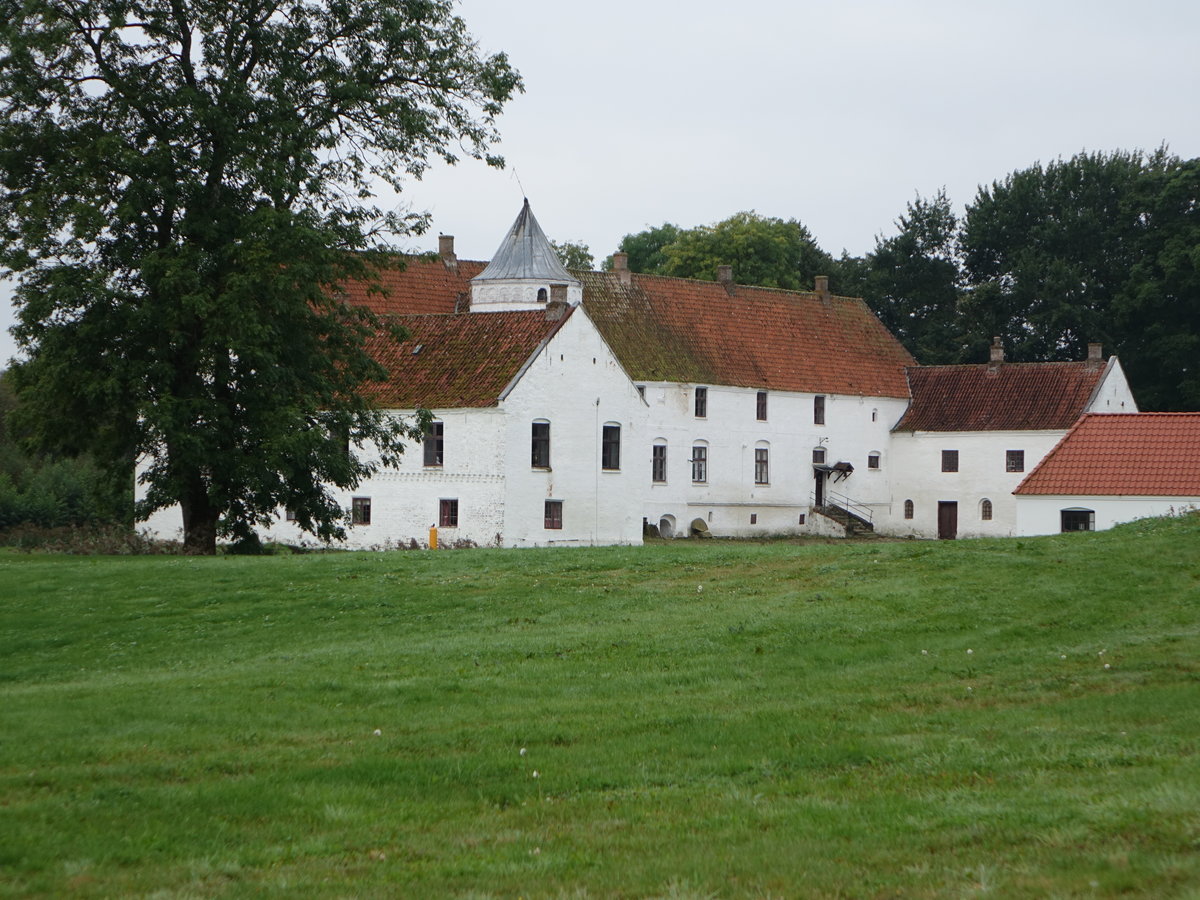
(645, 249)
(911, 281)
(184, 185)
(763, 251)
(574, 255)
(809, 724)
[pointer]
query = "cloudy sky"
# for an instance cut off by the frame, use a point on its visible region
(639, 112)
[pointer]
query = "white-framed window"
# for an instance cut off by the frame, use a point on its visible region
(762, 464)
(699, 463)
(658, 463)
(435, 443)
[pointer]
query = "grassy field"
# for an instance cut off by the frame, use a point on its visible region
(1005, 718)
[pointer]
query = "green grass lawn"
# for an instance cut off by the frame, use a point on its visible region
(1007, 718)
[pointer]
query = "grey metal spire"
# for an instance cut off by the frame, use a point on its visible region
(525, 253)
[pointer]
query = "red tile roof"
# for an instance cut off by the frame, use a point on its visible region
(458, 360)
(677, 329)
(1123, 454)
(414, 285)
(1001, 397)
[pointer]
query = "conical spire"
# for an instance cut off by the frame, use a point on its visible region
(525, 253)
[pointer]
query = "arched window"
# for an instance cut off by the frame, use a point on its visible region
(658, 462)
(908, 509)
(985, 510)
(762, 463)
(700, 462)
(541, 295)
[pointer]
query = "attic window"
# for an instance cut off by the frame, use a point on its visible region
(417, 349)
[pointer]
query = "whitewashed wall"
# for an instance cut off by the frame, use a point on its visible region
(1042, 514)
(732, 432)
(918, 476)
(1113, 395)
(577, 385)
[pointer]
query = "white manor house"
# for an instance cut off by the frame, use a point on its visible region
(583, 408)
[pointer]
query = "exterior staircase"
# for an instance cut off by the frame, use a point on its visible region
(856, 526)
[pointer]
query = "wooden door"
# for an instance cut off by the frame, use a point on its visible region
(947, 520)
(819, 490)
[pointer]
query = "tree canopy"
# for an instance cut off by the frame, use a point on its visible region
(574, 254)
(185, 183)
(762, 250)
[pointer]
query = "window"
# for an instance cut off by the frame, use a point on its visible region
(434, 444)
(819, 410)
(541, 445)
(658, 464)
(819, 456)
(761, 406)
(1078, 520)
(874, 415)
(701, 402)
(949, 460)
(1014, 460)
(699, 464)
(448, 513)
(985, 510)
(753, 518)
(908, 509)
(553, 514)
(641, 389)
(289, 515)
(872, 460)
(360, 511)
(761, 467)
(610, 448)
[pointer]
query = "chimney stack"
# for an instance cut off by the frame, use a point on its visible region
(996, 351)
(558, 302)
(446, 251)
(621, 267)
(725, 275)
(821, 285)
(1095, 353)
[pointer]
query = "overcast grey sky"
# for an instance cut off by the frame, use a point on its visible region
(639, 112)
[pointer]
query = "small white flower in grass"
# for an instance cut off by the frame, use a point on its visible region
(1101, 653)
(378, 732)
(969, 651)
(536, 774)
(970, 690)
(1064, 656)
(699, 589)
(522, 751)
(924, 652)
(1107, 666)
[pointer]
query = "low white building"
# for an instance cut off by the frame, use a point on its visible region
(1113, 469)
(972, 432)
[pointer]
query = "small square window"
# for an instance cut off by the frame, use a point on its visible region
(1014, 460)
(949, 460)
(819, 410)
(289, 515)
(760, 406)
(701, 402)
(872, 460)
(819, 456)
(553, 515)
(360, 511)
(448, 513)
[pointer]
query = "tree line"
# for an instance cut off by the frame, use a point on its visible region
(1101, 247)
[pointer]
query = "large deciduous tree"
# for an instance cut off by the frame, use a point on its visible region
(911, 280)
(185, 183)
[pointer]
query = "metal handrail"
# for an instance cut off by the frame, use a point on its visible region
(832, 498)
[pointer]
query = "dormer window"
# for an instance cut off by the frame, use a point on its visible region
(541, 295)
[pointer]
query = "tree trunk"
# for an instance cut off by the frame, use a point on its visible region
(199, 521)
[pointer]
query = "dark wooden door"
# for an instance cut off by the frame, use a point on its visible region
(819, 491)
(947, 520)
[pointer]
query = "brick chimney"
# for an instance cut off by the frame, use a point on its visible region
(725, 275)
(996, 351)
(1095, 353)
(821, 285)
(446, 251)
(558, 302)
(621, 267)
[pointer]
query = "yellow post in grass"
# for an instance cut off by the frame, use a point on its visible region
(432, 537)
